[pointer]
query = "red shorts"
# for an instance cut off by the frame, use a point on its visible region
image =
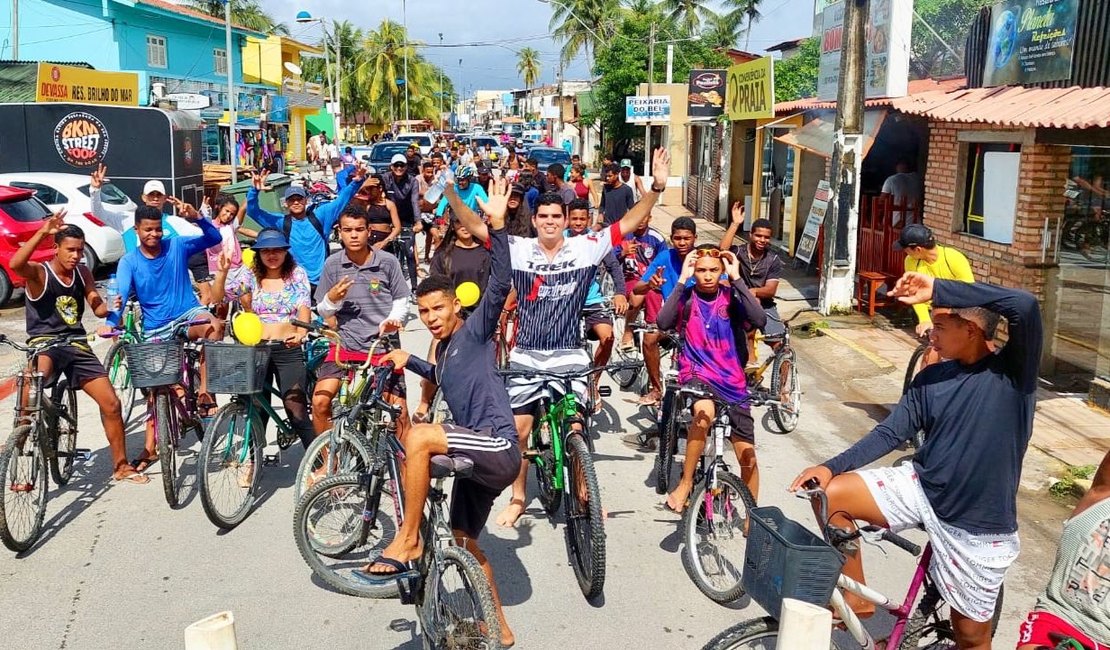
(1035, 630)
(653, 303)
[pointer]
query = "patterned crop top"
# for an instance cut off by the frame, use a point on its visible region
(271, 306)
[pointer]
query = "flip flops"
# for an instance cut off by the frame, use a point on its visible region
(136, 477)
(143, 464)
(400, 570)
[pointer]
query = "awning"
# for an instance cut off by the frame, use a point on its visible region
(774, 122)
(816, 136)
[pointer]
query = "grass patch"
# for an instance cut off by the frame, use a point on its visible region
(1066, 484)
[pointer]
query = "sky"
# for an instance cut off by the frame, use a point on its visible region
(507, 25)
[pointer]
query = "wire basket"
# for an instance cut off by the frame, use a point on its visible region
(154, 364)
(236, 369)
(786, 560)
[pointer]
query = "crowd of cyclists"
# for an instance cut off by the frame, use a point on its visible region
(536, 245)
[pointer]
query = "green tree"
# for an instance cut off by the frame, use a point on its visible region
(796, 77)
(582, 25)
(749, 9)
(528, 65)
(687, 14)
(930, 56)
(724, 30)
(248, 13)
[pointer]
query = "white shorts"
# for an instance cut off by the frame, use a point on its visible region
(967, 569)
(526, 390)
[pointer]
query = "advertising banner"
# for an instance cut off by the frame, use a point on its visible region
(642, 109)
(751, 90)
(1031, 41)
(706, 96)
(887, 70)
(63, 83)
(816, 218)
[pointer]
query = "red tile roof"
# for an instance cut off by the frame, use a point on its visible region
(191, 12)
(1063, 108)
(915, 87)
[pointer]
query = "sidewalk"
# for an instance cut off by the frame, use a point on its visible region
(874, 357)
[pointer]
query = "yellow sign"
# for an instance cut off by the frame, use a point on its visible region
(63, 83)
(751, 90)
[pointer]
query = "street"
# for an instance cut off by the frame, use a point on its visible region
(116, 568)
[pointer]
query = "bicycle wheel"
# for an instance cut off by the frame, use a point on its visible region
(713, 537)
(334, 538)
(585, 529)
(120, 376)
(756, 634)
(788, 390)
(64, 436)
(456, 605)
(23, 490)
(668, 441)
(167, 429)
(630, 367)
(230, 465)
(931, 624)
(352, 456)
(914, 366)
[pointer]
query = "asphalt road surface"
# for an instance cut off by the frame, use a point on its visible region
(117, 568)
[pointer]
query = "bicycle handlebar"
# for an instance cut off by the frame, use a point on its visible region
(333, 336)
(568, 375)
(382, 375)
(47, 343)
(836, 536)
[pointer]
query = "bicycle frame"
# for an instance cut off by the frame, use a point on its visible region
(556, 417)
(185, 404)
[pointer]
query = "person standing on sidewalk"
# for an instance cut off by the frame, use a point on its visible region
(760, 268)
(616, 199)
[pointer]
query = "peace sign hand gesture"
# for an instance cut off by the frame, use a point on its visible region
(97, 177)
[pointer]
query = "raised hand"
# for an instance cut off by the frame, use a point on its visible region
(661, 167)
(98, 177)
(497, 206)
(656, 280)
(732, 265)
(738, 212)
(913, 288)
(186, 210)
(629, 247)
(688, 265)
(258, 179)
(53, 224)
(339, 292)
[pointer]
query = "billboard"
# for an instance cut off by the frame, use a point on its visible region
(751, 90)
(64, 83)
(887, 69)
(1031, 41)
(706, 96)
(641, 109)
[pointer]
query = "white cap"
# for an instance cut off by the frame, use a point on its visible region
(154, 186)
(398, 158)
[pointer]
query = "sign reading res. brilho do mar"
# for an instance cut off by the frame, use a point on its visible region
(887, 70)
(63, 83)
(1031, 41)
(641, 109)
(751, 90)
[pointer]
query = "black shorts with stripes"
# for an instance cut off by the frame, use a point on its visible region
(496, 465)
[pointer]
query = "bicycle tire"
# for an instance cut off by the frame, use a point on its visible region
(931, 625)
(914, 366)
(629, 370)
(753, 634)
(480, 594)
(355, 457)
(120, 375)
(694, 520)
(21, 445)
(347, 493)
(221, 465)
(550, 497)
(63, 439)
(786, 382)
(668, 443)
(166, 431)
(585, 527)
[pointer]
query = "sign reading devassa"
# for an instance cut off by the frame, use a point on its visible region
(64, 83)
(706, 94)
(751, 90)
(887, 70)
(641, 109)
(1031, 41)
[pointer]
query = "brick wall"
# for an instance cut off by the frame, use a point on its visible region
(1042, 174)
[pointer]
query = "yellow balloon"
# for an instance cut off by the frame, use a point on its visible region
(468, 294)
(248, 258)
(247, 327)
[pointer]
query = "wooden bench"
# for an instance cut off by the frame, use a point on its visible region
(867, 290)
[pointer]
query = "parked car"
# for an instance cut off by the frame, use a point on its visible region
(483, 140)
(103, 244)
(424, 140)
(382, 153)
(547, 156)
(21, 214)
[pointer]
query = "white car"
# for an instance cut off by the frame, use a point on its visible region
(103, 244)
(424, 140)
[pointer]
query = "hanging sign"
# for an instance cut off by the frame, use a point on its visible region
(1032, 41)
(751, 90)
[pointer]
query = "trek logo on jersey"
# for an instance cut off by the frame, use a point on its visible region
(550, 268)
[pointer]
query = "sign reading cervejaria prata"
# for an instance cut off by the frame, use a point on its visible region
(1031, 41)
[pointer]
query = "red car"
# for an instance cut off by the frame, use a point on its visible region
(21, 214)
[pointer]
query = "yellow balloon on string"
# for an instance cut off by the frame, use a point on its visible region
(247, 328)
(248, 258)
(468, 294)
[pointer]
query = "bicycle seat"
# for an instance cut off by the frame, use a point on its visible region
(445, 466)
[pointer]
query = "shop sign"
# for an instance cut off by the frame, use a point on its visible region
(641, 109)
(248, 105)
(888, 49)
(189, 101)
(808, 243)
(751, 90)
(278, 111)
(1031, 41)
(63, 83)
(81, 139)
(706, 96)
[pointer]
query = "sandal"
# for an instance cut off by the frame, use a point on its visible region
(136, 477)
(141, 465)
(399, 570)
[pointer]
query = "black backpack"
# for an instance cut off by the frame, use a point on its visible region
(287, 227)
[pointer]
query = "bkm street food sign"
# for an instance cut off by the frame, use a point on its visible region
(706, 96)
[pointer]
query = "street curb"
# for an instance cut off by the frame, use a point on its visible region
(882, 363)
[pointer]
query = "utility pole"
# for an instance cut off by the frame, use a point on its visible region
(440, 120)
(842, 218)
(338, 81)
(15, 30)
(405, 20)
(233, 149)
(651, 87)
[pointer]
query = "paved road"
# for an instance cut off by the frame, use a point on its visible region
(117, 568)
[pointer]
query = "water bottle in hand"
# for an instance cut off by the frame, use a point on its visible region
(436, 190)
(111, 295)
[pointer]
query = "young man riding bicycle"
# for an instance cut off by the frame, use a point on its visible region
(976, 410)
(483, 430)
(54, 302)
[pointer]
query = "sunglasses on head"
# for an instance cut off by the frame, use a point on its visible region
(708, 252)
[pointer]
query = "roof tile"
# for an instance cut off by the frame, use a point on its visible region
(1063, 108)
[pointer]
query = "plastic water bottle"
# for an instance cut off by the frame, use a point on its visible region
(112, 292)
(435, 191)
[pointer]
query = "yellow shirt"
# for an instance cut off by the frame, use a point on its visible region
(950, 265)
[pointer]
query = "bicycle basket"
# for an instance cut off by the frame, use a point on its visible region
(786, 560)
(155, 363)
(236, 369)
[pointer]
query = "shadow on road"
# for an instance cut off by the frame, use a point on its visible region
(89, 485)
(876, 412)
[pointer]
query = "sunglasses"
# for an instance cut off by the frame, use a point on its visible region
(708, 252)
(398, 165)
(296, 198)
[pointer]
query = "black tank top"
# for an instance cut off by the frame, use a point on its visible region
(60, 307)
(378, 215)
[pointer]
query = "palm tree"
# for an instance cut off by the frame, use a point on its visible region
(687, 14)
(528, 65)
(582, 25)
(382, 64)
(248, 13)
(723, 30)
(750, 10)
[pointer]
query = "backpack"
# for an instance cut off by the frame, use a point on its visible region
(287, 227)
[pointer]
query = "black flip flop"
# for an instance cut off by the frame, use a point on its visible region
(145, 462)
(400, 570)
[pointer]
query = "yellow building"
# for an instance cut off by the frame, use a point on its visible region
(274, 61)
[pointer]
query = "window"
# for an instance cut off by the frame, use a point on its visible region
(992, 171)
(219, 59)
(155, 51)
(44, 193)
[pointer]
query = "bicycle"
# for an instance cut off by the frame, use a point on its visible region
(170, 372)
(44, 433)
(818, 559)
(784, 396)
(717, 514)
(131, 331)
(631, 369)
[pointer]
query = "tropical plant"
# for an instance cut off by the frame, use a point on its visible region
(796, 77)
(723, 30)
(687, 14)
(248, 13)
(933, 56)
(528, 65)
(750, 10)
(582, 25)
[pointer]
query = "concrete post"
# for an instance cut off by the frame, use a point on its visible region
(217, 632)
(803, 626)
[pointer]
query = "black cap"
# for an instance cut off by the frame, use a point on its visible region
(915, 234)
(518, 188)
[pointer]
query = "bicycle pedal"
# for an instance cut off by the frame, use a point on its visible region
(406, 589)
(82, 454)
(530, 454)
(271, 459)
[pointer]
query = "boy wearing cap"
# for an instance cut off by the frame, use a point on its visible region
(306, 231)
(467, 189)
(629, 178)
(925, 255)
(403, 189)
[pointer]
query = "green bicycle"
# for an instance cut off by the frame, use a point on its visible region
(130, 331)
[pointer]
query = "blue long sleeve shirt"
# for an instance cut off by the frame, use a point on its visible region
(308, 248)
(977, 418)
(162, 284)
